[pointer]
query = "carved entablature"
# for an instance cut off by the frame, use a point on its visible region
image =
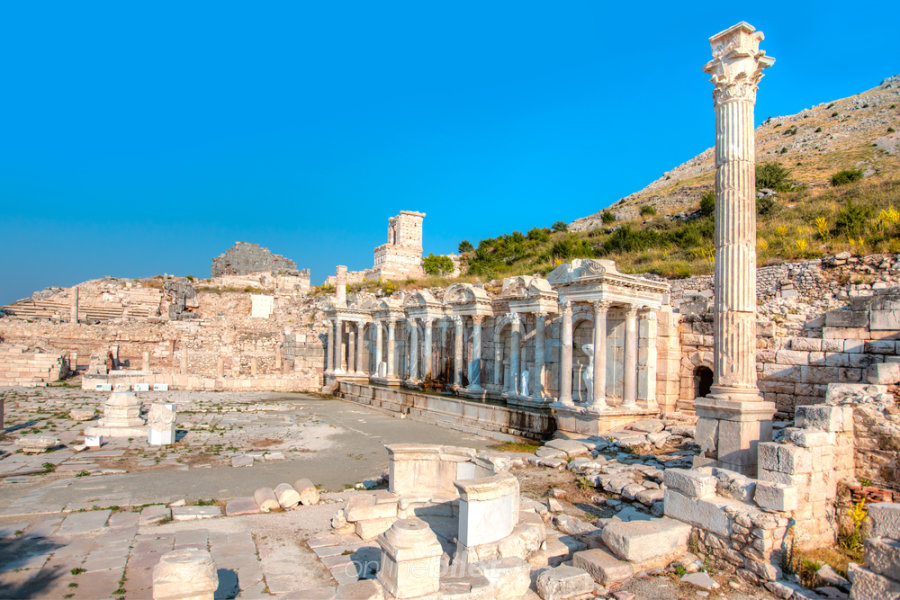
(466, 299)
(592, 280)
(737, 64)
(422, 305)
(389, 309)
(530, 294)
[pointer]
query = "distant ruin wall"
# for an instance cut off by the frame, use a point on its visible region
(244, 258)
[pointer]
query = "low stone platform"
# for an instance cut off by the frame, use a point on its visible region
(579, 421)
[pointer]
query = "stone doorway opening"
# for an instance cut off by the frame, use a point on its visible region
(703, 380)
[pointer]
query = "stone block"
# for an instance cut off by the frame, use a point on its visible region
(287, 496)
(639, 541)
(359, 590)
(883, 556)
(707, 514)
(885, 518)
(791, 357)
(241, 506)
(509, 578)
(819, 416)
(410, 559)
(880, 347)
(372, 528)
(887, 373)
(195, 513)
(884, 320)
(488, 508)
(868, 585)
(730, 484)
(564, 583)
(308, 492)
(802, 344)
(186, 574)
(810, 438)
(160, 387)
(775, 496)
(363, 507)
(605, 568)
(266, 499)
(784, 458)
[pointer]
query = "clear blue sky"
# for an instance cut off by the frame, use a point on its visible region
(145, 138)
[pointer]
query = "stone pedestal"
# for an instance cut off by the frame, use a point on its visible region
(488, 508)
(161, 419)
(187, 574)
(410, 559)
(121, 417)
(741, 418)
(578, 421)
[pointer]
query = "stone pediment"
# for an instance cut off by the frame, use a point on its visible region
(420, 299)
(581, 268)
(465, 293)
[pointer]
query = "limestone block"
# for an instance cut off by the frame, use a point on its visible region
(872, 586)
(266, 499)
(563, 583)
(372, 528)
(693, 483)
(707, 514)
(638, 541)
(811, 438)
(364, 507)
(707, 434)
(883, 373)
(509, 577)
(784, 458)
(571, 448)
(883, 556)
(605, 568)
(195, 513)
(488, 508)
(241, 506)
(647, 426)
(884, 320)
(730, 484)
(791, 357)
(81, 414)
(36, 444)
(287, 496)
(410, 559)
(885, 518)
(359, 590)
(776, 496)
(186, 574)
(880, 347)
(308, 492)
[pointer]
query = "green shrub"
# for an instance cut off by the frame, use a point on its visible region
(560, 226)
(572, 246)
(648, 211)
(708, 203)
(853, 218)
(437, 265)
(466, 246)
(538, 235)
(771, 175)
(765, 205)
(846, 176)
(608, 217)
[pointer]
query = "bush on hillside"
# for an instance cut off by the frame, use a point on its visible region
(466, 246)
(437, 265)
(572, 246)
(771, 175)
(538, 235)
(846, 176)
(853, 218)
(765, 205)
(607, 217)
(560, 226)
(648, 211)
(708, 203)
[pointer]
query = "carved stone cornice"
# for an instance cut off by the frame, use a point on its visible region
(737, 64)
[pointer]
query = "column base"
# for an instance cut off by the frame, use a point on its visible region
(581, 421)
(386, 380)
(529, 402)
(729, 430)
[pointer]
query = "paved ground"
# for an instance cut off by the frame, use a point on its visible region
(71, 522)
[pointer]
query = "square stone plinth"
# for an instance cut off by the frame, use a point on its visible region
(579, 421)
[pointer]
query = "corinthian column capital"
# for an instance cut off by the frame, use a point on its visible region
(737, 64)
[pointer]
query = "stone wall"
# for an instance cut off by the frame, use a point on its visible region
(22, 366)
(244, 258)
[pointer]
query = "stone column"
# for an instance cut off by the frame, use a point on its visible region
(457, 350)
(733, 418)
(340, 286)
(379, 340)
(475, 364)
(73, 309)
(565, 356)
(600, 310)
(427, 350)
(629, 387)
(537, 378)
(360, 345)
(145, 361)
(329, 350)
(351, 349)
(514, 335)
(647, 357)
(413, 349)
(338, 347)
(391, 349)
(278, 358)
(498, 351)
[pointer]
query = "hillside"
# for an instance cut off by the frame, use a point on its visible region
(828, 181)
(851, 133)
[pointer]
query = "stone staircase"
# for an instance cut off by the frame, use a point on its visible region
(49, 309)
(18, 366)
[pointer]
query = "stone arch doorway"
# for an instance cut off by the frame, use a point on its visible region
(703, 380)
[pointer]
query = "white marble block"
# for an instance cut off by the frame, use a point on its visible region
(93, 441)
(410, 559)
(488, 508)
(162, 424)
(187, 574)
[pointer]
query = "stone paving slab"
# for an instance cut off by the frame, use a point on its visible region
(84, 522)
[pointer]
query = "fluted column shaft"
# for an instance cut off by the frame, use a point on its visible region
(329, 351)
(413, 349)
(338, 346)
(629, 387)
(498, 351)
(537, 385)
(600, 310)
(457, 350)
(379, 340)
(565, 356)
(391, 349)
(360, 345)
(475, 377)
(514, 331)
(427, 353)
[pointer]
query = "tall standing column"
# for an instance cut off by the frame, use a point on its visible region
(413, 349)
(360, 345)
(733, 418)
(537, 379)
(647, 357)
(338, 346)
(427, 350)
(351, 349)
(73, 309)
(629, 387)
(475, 364)
(514, 330)
(600, 310)
(457, 350)
(391, 349)
(498, 351)
(379, 340)
(565, 356)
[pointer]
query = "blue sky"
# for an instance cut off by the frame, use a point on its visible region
(145, 138)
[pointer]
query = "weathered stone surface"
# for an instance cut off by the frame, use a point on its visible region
(360, 590)
(868, 585)
(155, 514)
(266, 499)
(693, 483)
(563, 583)
(647, 426)
(410, 559)
(362, 507)
(708, 514)
(885, 518)
(821, 417)
(36, 444)
(887, 373)
(242, 506)
(242, 461)
(82, 414)
(287, 496)
(700, 580)
(775, 496)
(245, 258)
(308, 492)
(509, 577)
(638, 541)
(784, 458)
(605, 568)
(883, 556)
(194, 513)
(369, 529)
(186, 574)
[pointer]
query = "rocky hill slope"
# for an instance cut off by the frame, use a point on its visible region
(852, 133)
